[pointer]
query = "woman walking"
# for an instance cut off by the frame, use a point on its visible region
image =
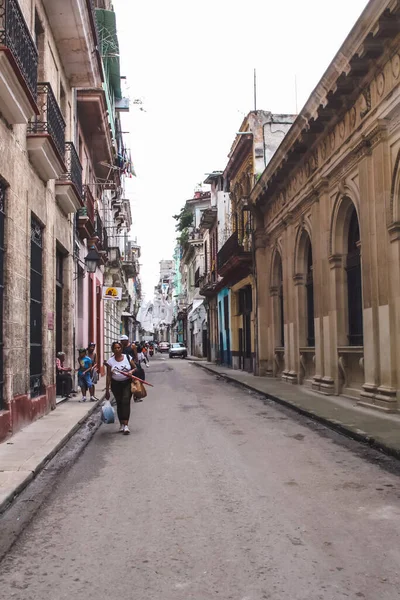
(119, 369)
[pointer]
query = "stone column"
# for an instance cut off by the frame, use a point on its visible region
(386, 273)
(368, 233)
(291, 350)
(262, 294)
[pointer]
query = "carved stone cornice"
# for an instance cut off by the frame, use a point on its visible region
(298, 279)
(335, 261)
(394, 232)
(273, 290)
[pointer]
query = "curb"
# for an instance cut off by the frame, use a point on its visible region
(5, 504)
(344, 430)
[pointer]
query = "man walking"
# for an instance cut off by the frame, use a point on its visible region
(127, 348)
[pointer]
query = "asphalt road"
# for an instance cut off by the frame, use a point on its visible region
(215, 494)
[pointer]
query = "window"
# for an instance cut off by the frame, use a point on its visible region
(354, 283)
(36, 307)
(2, 223)
(39, 41)
(310, 297)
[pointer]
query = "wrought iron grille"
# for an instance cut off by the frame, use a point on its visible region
(99, 229)
(14, 34)
(232, 247)
(74, 167)
(36, 307)
(50, 119)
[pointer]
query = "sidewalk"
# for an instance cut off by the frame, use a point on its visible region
(380, 430)
(25, 454)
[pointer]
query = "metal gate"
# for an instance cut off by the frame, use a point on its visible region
(36, 308)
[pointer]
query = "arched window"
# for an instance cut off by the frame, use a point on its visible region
(280, 319)
(354, 284)
(310, 295)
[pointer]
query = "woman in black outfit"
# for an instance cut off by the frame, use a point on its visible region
(119, 370)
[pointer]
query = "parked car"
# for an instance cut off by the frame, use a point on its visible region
(178, 350)
(163, 347)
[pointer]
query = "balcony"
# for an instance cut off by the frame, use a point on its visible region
(69, 186)
(234, 259)
(86, 215)
(46, 136)
(209, 284)
(73, 25)
(18, 65)
(92, 114)
(209, 218)
(99, 238)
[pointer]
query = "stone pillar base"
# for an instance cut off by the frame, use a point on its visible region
(290, 377)
(382, 398)
(327, 386)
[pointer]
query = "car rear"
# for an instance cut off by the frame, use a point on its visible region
(177, 350)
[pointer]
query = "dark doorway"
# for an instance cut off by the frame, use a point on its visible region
(281, 312)
(354, 283)
(205, 343)
(2, 223)
(245, 309)
(310, 298)
(98, 325)
(36, 308)
(59, 300)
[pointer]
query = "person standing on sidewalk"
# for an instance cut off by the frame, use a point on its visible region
(84, 375)
(119, 369)
(92, 354)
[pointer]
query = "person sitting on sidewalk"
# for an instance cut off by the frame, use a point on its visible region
(84, 375)
(63, 377)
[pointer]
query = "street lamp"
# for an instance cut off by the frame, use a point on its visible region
(92, 260)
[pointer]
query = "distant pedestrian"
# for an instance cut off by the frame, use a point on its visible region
(92, 354)
(84, 375)
(141, 357)
(119, 369)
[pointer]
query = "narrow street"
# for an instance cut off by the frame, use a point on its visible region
(215, 494)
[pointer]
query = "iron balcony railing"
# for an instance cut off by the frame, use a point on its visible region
(50, 119)
(89, 204)
(74, 167)
(232, 247)
(100, 230)
(14, 34)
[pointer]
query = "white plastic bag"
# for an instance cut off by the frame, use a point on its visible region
(107, 413)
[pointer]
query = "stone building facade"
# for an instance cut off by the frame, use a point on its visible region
(327, 227)
(56, 155)
(260, 134)
(41, 179)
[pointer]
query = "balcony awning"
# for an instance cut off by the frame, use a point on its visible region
(107, 26)
(196, 306)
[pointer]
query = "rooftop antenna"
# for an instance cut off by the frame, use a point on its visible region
(295, 93)
(255, 90)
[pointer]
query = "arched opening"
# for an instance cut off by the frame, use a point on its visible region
(354, 282)
(279, 316)
(310, 294)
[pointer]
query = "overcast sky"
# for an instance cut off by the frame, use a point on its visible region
(192, 65)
